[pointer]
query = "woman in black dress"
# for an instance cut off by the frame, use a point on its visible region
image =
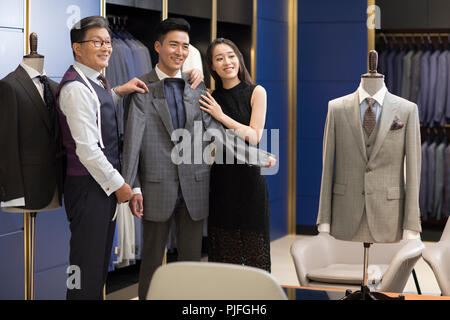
(238, 222)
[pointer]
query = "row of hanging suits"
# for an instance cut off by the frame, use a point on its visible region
(130, 58)
(434, 196)
(420, 75)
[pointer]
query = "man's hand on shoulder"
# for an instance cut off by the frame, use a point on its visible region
(134, 85)
(196, 77)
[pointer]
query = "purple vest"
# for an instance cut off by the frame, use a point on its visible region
(110, 132)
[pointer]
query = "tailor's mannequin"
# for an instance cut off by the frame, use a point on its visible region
(36, 62)
(372, 82)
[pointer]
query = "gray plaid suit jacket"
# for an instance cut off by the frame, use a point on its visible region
(351, 181)
(148, 147)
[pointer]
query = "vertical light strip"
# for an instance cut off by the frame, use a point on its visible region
(26, 230)
(292, 102)
(370, 31)
(213, 34)
(103, 8)
(165, 9)
(254, 41)
(26, 247)
(27, 27)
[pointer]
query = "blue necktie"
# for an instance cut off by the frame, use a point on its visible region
(174, 96)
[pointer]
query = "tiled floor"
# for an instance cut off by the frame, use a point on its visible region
(284, 271)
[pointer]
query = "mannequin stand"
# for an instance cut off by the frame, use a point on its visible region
(29, 225)
(365, 293)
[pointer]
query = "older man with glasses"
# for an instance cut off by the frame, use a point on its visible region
(93, 184)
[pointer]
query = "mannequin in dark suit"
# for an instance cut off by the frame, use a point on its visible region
(29, 143)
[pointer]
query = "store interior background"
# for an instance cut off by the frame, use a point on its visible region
(331, 46)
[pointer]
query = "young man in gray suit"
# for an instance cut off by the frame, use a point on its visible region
(170, 190)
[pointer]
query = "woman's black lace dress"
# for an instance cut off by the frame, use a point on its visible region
(238, 222)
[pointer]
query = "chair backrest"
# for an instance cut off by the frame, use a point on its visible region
(213, 281)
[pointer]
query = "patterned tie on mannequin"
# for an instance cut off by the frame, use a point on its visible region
(50, 103)
(105, 83)
(369, 117)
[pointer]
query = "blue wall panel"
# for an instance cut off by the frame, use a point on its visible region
(272, 46)
(278, 219)
(309, 167)
(332, 10)
(307, 207)
(273, 10)
(10, 222)
(277, 93)
(332, 48)
(52, 239)
(313, 97)
(331, 51)
(12, 285)
(272, 73)
(51, 284)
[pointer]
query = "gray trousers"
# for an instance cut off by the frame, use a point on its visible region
(155, 234)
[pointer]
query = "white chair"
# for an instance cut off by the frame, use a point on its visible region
(323, 261)
(213, 281)
(438, 258)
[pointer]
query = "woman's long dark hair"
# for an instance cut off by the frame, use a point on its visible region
(243, 74)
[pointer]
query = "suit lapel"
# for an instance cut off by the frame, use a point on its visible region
(27, 84)
(387, 116)
(353, 115)
(150, 77)
(161, 106)
(188, 99)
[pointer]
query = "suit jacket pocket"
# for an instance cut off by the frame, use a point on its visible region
(394, 193)
(153, 176)
(339, 189)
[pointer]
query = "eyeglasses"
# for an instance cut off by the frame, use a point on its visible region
(99, 43)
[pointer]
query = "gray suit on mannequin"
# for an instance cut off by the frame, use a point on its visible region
(363, 194)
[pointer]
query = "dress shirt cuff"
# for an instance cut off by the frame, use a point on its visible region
(115, 96)
(19, 202)
(137, 191)
(324, 227)
(410, 235)
(114, 184)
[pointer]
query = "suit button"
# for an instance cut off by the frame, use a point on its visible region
(368, 169)
(367, 145)
(363, 193)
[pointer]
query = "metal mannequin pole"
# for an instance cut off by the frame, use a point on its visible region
(366, 272)
(29, 226)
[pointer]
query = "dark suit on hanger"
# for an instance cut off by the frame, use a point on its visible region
(424, 86)
(433, 75)
(29, 166)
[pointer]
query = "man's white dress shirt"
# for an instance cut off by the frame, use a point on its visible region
(79, 106)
